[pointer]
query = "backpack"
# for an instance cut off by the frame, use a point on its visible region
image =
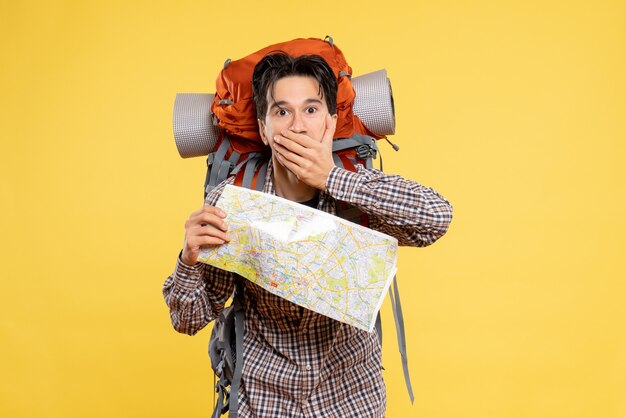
(226, 354)
(228, 133)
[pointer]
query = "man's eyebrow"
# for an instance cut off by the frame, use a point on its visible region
(283, 103)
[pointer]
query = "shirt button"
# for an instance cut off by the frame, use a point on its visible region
(308, 367)
(340, 193)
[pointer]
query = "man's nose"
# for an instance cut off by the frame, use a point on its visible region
(297, 124)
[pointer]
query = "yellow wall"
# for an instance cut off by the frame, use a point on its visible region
(515, 111)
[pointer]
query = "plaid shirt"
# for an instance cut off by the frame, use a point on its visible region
(298, 363)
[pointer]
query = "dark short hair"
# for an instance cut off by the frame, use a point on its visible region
(277, 65)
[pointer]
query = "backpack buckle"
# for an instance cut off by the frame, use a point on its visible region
(365, 151)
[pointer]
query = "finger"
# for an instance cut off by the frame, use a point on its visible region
(197, 242)
(198, 222)
(289, 144)
(291, 156)
(214, 210)
(205, 209)
(204, 218)
(196, 212)
(296, 169)
(300, 139)
(208, 230)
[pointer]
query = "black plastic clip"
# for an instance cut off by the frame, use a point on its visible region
(365, 151)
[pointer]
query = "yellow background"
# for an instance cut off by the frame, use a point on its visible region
(514, 111)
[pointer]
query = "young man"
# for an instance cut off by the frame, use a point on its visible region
(298, 363)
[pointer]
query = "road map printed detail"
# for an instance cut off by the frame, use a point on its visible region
(311, 258)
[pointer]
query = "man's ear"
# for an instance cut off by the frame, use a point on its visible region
(334, 118)
(262, 131)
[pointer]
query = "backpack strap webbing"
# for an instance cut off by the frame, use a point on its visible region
(259, 182)
(365, 149)
(250, 173)
(226, 363)
(253, 174)
(379, 329)
(220, 164)
(396, 307)
(239, 329)
(355, 141)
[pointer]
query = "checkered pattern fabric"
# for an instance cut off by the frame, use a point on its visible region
(298, 363)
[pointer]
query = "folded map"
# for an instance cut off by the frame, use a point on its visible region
(311, 258)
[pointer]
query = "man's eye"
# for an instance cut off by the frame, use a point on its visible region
(311, 110)
(281, 112)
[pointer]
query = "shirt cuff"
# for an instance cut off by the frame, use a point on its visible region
(342, 184)
(187, 276)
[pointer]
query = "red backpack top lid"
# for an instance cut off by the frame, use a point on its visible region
(234, 106)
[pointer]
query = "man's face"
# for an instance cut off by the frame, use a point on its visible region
(296, 105)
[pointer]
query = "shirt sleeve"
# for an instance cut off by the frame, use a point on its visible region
(196, 294)
(414, 214)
